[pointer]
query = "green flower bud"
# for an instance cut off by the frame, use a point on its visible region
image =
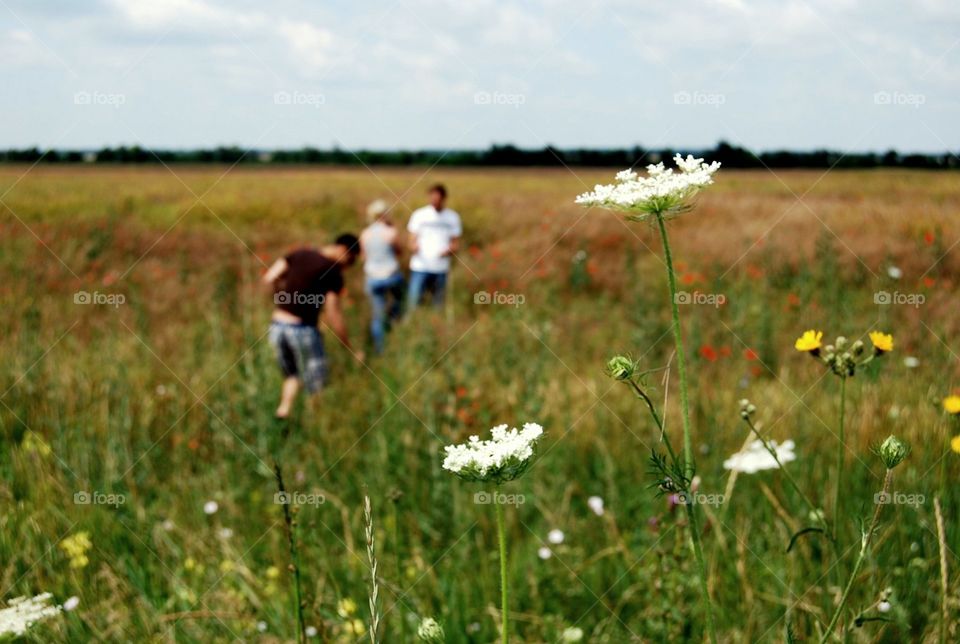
(430, 631)
(621, 367)
(892, 452)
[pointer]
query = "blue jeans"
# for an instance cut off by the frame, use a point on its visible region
(421, 282)
(385, 297)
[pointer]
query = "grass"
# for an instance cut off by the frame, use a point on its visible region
(167, 398)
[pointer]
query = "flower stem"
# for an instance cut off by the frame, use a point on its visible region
(685, 415)
(865, 539)
(840, 448)
(502, 538)
(290, 525)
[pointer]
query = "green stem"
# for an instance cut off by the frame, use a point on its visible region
(687, 442)
(502, 538)
(865, 539)
(290, 525)
(840, 447)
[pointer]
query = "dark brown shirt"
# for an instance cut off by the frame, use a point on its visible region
(302, 289)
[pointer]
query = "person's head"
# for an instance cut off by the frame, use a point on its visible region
(345, 250)
(378, 210)
(437, 195)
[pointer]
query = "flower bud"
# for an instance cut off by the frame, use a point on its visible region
(893, 451)
(841, 343)
(621, 368)
(858, 348)
(430, 631)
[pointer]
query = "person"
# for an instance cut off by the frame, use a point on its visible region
(380, 247)
(435, 232)
(305, 283)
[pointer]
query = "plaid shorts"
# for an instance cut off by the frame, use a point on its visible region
(300, 353)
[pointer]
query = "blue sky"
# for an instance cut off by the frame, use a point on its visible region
(766, 74)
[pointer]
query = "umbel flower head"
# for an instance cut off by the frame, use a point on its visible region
(430, 631)
(662, 192)
(503, 458)
(892, 452)
(621, 368)
(756, 458)
(23, 612)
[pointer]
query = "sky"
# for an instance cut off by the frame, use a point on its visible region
(851, 75)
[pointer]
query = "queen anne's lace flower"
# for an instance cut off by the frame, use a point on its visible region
(501, 459)
(662, 191)
(23, 612)
(756, 458)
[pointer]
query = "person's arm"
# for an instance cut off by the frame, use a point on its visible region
(274, 272)
(395, 243)
(454, 246)
(457, 232)
(412, 228)
(333, 313)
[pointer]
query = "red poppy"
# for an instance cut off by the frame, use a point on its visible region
(929, 237)
(708, 353)
(929, 282)
(750, 354)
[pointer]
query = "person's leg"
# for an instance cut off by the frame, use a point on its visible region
(288, 393)
(397, 288)
(313, 358)
(415, 291)
(439, 289)
(378, 307)
(286, 359)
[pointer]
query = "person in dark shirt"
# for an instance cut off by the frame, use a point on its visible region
(305, 283)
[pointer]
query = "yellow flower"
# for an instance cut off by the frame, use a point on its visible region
(356, 627)
(273, 572)
(346, 607)
(34, 443)
(189, 563)
(951, 404)
(955, 444)
(76, 547)
(882, 342)
(227, 566)
(809, 341)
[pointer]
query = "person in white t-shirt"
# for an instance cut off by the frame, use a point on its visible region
(435, 232)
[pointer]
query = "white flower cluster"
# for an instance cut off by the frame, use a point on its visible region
(503, 458)
(756, 458)
(23, 612)
(662, 191)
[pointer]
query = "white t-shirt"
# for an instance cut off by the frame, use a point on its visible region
(434, 231)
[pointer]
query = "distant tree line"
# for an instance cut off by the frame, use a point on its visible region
(497, 155)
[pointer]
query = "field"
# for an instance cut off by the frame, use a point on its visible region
(126, 410)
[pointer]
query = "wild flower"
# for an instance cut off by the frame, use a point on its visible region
(911, 362)
(662, 192)
(555, 537)
(210, 507)
(755, 458)
(809, 342)
(882, 342)
(23, 612)
(310, 631)
(951, 404)
(892, 452)
(894, 272)
(33, 443)
(955, 444)
(430, 631)
(76, 547)
(595, 503)
(71, 604)
(571, 634)
(346, 607)
(503, 458)
(544, 552)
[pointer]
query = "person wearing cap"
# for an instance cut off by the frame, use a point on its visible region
(380, 246)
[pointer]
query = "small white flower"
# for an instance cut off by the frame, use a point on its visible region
(571, 634)
(756, 458)
(884, 607)
(211, 507)
(225, 533)
(555, 537)
(911, 362)
(262, 627)
(71, 603)
(544, 553)
(23, 612)
(596, 504)
(311, 631)
(168, 525)
(161, 391)
(894, 272)
(502, 458)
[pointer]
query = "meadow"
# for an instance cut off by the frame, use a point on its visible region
(138, 386)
